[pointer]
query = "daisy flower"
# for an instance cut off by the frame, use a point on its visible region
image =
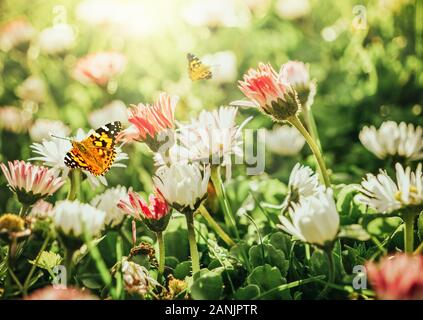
(398, 277)
(151, 122)
(73, 217)
(313, 220)
(43, 128)
(183, 186)
(31, 183)
(284, 140)
(270, 93)
(213, 137)
(99, 67)
(56, 39)
(384, 195)
(136, 278)
(14, 119)
(15, 33)
(108, 202)
(393, 139)
(32, 89)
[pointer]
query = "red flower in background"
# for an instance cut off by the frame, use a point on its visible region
(399, 277)
(99, 67)
(52, 293)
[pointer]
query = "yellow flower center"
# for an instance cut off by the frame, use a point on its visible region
(12, 223)
(412, 197)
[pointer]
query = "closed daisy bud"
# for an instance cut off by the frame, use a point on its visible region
(31, 183)
(136, 278)
(155, 214)
(41, 210)
(313, 220)
(296, 74)
(152, 124)
(399, 277)
(270, 93)
(183, 186)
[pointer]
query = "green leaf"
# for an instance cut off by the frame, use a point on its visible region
(182, 270)
(247, 293)
(267, 277)
(207, 285)
(281, 241)
(47, 260)
(176, 239)
(267, 254)
(420, 226)
(354, 231)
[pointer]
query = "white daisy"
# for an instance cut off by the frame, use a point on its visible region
(182, 185)
(71, 217)
(214, 136)
(43, 128)
(393, 139)
(108, 201)
(313, 220)
(382, 194)
(284, 140)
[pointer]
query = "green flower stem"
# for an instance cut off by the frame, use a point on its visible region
(313, 146)
(34, 265)
(192, 243)
(10, 264)
(24, 209)
(307, 251)
(75, 180)
(312, 128)
(100, 264)
(215, 226)
(223, 200)
(119, 280)
(419, 249)
(331, 278)
(68, 260)
(409, 232)
(160, 240)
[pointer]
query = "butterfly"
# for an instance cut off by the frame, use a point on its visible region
(196, 69)
(96, 153)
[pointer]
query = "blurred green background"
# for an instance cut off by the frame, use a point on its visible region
(365, 55)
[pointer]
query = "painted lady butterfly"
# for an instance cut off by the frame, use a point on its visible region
(196, 69)
(97, 152)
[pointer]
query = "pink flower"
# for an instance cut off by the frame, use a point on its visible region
(52, 293)
(42, 209)
(155, 213)
(295, 73)
(398, 277)
(269, 92)
(99, 67)
(31, 182)
(15, 33)
(150, 120)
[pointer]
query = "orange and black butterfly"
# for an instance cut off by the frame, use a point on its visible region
(197, 70)
(96, 153)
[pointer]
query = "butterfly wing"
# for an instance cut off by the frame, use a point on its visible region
(197, 70)
(96, 153)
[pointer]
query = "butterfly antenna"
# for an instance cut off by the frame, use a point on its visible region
(57, 137)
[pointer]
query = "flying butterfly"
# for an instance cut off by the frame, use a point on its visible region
(197, 70)
(96, 153)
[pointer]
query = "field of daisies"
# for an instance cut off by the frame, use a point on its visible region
(282, 160)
